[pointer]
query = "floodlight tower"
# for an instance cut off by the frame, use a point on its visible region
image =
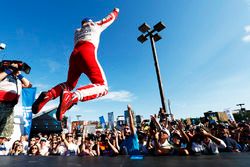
(154, 37)
(78, 116)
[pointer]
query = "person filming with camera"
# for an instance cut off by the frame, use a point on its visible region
(11, 84)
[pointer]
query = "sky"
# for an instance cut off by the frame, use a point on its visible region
(204, 54)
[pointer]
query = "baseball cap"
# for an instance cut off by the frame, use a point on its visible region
(43, 139)
(166, 131)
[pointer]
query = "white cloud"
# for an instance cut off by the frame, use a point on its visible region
(121, 96)
(246, 38)
(53, 65)
(247, 28)
(41, 86)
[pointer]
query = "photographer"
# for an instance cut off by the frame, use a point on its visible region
(11, 84)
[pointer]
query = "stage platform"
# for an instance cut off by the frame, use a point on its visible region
(221, 160)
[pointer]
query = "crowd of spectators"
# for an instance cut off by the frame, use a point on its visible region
(161, 136)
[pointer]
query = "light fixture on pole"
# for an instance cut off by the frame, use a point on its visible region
(78, 116)
(154, 37)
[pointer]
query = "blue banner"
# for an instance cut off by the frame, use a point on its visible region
(28, 97)
(111, 120)
(102, 122)
(126, 117)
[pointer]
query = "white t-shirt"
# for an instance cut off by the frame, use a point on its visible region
(210, 148)
(44, 150)
(71, 150)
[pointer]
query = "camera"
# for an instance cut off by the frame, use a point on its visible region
(92, 137)
(103, 137)
(173, 123)
(163, 116)
(21, 65)
(152, 125)
(198, 129)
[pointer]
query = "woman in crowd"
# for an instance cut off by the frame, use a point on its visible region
(44, 148)
(108, 144)
(180, 140)
(34, 150)
(13, 147)
(54, 149)
(24, 141)
(17, 148)
(70, 145)
(89, 147)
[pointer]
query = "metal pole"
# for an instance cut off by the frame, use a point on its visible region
(163, 103)
(169, 108)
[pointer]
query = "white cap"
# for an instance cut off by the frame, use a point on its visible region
(166, 131)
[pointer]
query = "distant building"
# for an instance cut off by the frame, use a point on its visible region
(242, 115)
(216, 116)
(138, 120)
(120, 121)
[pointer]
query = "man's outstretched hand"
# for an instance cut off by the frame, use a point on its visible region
(117, 9)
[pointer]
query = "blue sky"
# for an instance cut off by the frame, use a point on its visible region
(204, 55)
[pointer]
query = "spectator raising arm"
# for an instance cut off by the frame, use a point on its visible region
(183, 134)
(220, 143)
(157, 124)
(116, 140)
(112, 147)
(131, 120)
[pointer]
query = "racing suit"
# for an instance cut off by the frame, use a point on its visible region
(84, 60)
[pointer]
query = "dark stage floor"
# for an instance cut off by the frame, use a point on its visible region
(221, 160)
